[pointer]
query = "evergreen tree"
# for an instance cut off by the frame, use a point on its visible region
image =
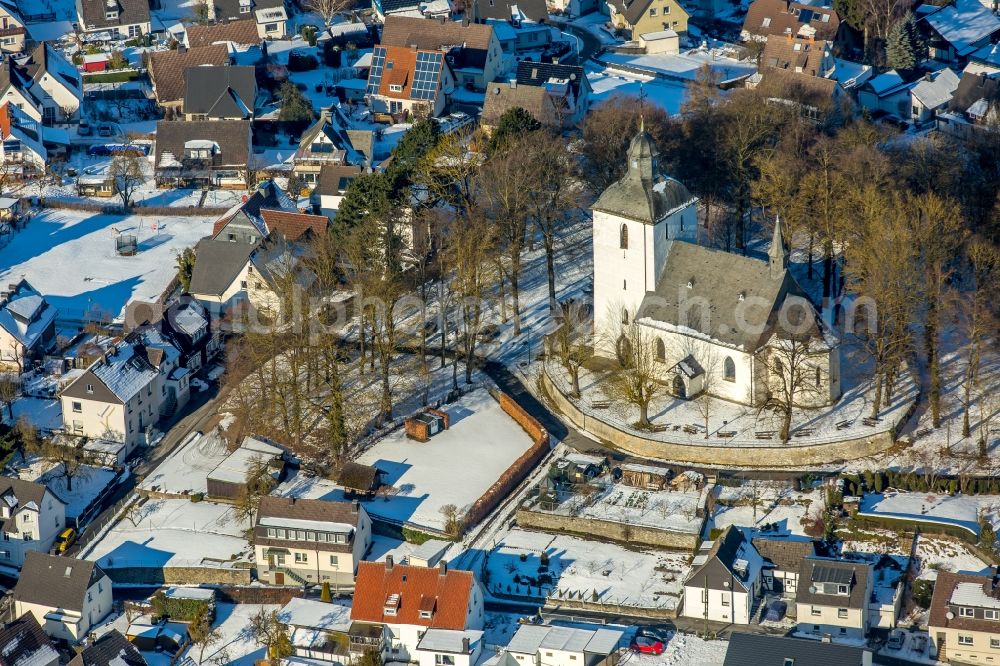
(185, 267)
(295, 108)
(512, 124)
(904, 47)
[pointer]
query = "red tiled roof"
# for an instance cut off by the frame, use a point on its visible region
(293, 226)
(418, 588)
(401, 64)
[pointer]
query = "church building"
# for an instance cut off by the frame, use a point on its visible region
(719, 322)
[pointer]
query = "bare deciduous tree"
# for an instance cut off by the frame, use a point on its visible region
(639, 376)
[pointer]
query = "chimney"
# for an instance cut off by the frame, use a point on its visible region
(443, 568)
(354, 506)
(465, 645)
(465, 22)
(388, 563)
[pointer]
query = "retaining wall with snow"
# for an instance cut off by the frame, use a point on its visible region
(616, 531)
(749, 454)
(178, 575)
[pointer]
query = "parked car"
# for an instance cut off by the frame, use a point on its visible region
(656, 633)
(105, 129)
(65, 539)
(919, 643)
(896, 640)
(646, 645)
(556, 50)
(85, 129)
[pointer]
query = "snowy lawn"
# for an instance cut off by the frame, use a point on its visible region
(41, 413)
(606, 83)
(682, 650)
(175, 533)
(778, 507)
(186, 469)
(69, 256)
(455, 467)
(88, 482)
(643, 579)
(960, 510)
(236, 646)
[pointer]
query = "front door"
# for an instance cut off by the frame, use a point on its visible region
(279, 578)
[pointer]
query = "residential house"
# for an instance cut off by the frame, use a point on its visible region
(558, 96)
(783, 17)
(783, 558)
(411, 81)
(189, 327)
(219, 278)
(12, 28)
(22, 151)
(25, 644)
(433, 616)
(31, 516)
(887, 94)
(562, 646)
(96, 180)
(27, 326)
(113, 19)
(798, 54)
(974, 103)
(510, 11)
(167, 71)
(764, 650)
(931, 94)
(431, 9)
(726, 580)
(318, 630)
(326, 142)
(241, 32)
(229, 478)
(331, 187)
(275, 267)
(964, 621)
(957, 29)
(220, 93)
(269, 16)
(126, 391)
(639, 17)
(832, 597)
(111, 649)
(310, 541)
(820, 100)
(575, 8)
(202, 153)
(58, 84)
(472, 50)
(66, 596)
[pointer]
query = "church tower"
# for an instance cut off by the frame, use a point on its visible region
(635, 221)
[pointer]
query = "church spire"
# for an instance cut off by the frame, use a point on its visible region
(778, 254)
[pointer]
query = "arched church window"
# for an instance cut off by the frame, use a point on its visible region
(729, 369)
(819, 376)
(623, 237)
(661, 350)
(624, 316)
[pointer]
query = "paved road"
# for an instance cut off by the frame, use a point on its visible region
(588, 43)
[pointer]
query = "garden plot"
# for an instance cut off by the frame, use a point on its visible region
(676, 511)
(186, 469)
(536, 564)
(43, 413)
(173, 533)
(932, 555)
(779, 509)
(69, 256)
(236, 645)
(87, 484)
(957, 511)
(455, 467)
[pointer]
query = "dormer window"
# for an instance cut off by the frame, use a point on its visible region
(965, 611)
(395, 87)
(991, 614)
(426, 614)
(111, 15)
(843, 589)
(742, 296)
(690, 284)
(391, 606)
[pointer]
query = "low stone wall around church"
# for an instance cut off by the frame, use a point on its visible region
(748, 455)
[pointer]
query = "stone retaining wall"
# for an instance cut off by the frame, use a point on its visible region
(586, 527)
(779, 455)
(616, 610)
(178, 575)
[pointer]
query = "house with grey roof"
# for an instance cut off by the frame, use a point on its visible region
(725, 581)
(956, 29)
(326, 143)
(269, 15)
(783, 557)
(764, 650)
(833, 597)
(931, 94)
(561, 646)
(220, 93)
(31, 517)
(25, 644)
(27, 326)
(331, 188)
(113, 19)
(719, 322)
(557, 96)
(126, 391)
(111, 649)
(202, 153)
(67, 596)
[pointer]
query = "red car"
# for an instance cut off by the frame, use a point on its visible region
(647, 645)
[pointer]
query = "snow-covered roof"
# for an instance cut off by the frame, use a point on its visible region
(972, 594)
(260, 446)
(850, 74)
(530, 638)
(26, 315)
(189, 319)
(345, 29)
(989, 54)
(124, 371)
(237, 464)
(886, 82)
(7, 202)
(199, 593)
(449, 640)
(658, 35)
(964, 25)
(937, 89)
(303, 524)
(316, 615)
(271, 14)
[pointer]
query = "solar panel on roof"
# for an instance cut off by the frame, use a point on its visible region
(427, 75)
(805, 15)
(375, 73)
(837, 575)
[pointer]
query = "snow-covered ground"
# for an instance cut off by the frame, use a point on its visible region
(174, 533)
(87, 483)
(960, 510)
(640, 578)
(686, 65)
(186, 469)
(606, 83)
(683, 650)
(933, 554)
(236, 645)
(455, 467)
(69, 256)
(44, 414)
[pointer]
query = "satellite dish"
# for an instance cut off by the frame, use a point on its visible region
(725, 584)
(812, 589)
(950, 615)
